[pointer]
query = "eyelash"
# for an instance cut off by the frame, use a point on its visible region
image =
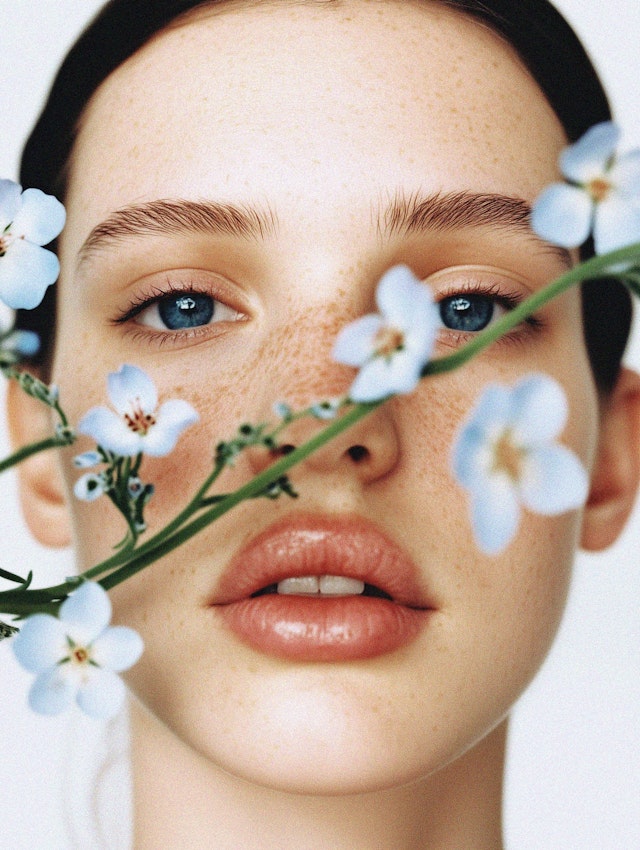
(496, 293)
(449, 336)
(159, 293)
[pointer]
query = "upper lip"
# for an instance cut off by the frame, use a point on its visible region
(302, 545)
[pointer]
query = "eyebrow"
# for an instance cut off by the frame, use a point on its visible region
(403, 215)
(178, 216)
(440, 211)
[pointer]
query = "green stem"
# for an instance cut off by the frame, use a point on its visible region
(146, 555)
(31, 449)
(122, 565)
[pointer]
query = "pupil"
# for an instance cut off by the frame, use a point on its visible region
(186, 311)
(466, 312)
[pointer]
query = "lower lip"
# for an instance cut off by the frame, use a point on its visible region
(304, 628)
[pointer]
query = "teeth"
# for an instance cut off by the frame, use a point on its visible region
(321, 586)
(340, 586)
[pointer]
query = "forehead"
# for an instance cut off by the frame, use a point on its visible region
(317, 100)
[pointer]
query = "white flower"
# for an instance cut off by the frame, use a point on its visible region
(391, 347)
(77, 655)
(602, 195)
(28, 220)
(90, 486)
(506, 454)
(137, 426)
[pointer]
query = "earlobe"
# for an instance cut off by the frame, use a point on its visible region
(616, 473)
(42, 493)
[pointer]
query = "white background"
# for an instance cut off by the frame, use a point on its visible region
(573, 779)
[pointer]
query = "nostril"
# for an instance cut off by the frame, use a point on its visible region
(358, 453)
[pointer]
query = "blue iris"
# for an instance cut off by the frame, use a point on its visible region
(466, 313)
(190, 310)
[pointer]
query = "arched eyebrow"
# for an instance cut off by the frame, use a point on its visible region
(403, 215)
(406, 214)
(178, 216)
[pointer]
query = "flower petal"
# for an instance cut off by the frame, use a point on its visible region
(110, 431)
(562, 215)
(625, 174)
(117, 648)
(172, 419)
(397, 294)
(86, 460)
(9, 202)
(40, 218)
(52, 691)
(89, 487)
(616, 224)
(471, 457)
(384, 376)
(87, 610)
(587, 158)
(23, 343)
(128, 385)
(495, 514)
(553, 481)
(102, 694)
(40, 643)
(354, 344)
(540, 410)
(26, 270)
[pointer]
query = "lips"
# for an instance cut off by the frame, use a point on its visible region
(294, 591)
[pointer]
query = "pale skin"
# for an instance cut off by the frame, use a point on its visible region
(323, 128)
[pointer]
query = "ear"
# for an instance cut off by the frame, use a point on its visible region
(42, 493)
(617, 468)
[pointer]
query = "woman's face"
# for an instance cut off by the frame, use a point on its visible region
(345, 136)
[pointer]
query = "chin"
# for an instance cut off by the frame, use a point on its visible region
(299, 736)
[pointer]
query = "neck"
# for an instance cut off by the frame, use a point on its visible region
(182, 800)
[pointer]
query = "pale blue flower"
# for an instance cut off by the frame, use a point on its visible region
(90, 486)
(506, 455)
(136, 426)
(77, 655)
(392, 346)
(87, 459)
(327, 409)
(28, 220)
(602, 195)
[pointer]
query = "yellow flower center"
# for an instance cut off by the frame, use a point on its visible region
(507, 457)
(599, 189)
(80, 655)
(387, 341)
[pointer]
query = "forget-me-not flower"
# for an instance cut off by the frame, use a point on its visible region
(507, 455)
(28, 220)
(602, 195)
(77, 655)
(392, 346)
(137, 424)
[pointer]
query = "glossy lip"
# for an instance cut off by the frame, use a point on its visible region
(322, 628)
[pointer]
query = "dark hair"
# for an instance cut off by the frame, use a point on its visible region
(534, 28)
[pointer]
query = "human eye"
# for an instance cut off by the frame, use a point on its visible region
(471, 299)
(179, 307)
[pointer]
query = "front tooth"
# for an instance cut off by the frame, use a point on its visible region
(340, 586)
(300, 585)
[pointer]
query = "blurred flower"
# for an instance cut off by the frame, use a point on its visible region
(506, 455)
(28, 220)
(602, 195)
(390, 347)
(90, 486)
(77, 655)
(137, 426)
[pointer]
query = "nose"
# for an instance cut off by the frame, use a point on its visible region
(368, 450)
